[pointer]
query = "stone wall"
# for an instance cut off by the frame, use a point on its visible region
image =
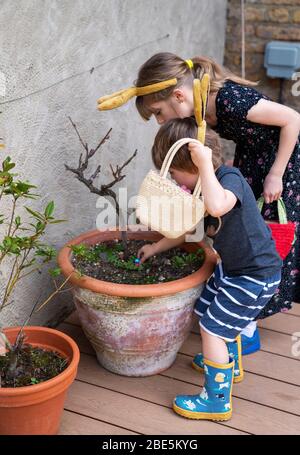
(265, 20)
(57, 58)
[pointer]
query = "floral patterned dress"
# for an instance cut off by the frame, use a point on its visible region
(256, 149)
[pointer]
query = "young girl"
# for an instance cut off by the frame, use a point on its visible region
(242, 283)
(267, 147)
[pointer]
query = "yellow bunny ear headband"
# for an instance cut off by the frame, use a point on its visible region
(121, 97)
(200, 93)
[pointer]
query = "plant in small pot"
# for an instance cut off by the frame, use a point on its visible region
(135, 316)
(37, 364)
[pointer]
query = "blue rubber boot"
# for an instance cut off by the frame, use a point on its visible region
(215, 400)
(250, 345)
(235, 354)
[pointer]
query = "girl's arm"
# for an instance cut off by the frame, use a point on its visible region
(270, 113)
(217, 200)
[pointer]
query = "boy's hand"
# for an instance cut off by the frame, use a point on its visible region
(146, 252)
(199, 153)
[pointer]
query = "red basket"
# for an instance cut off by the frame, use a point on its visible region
(283, 233)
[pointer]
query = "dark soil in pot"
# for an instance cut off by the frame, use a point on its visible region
(110, 262)
(32, 365)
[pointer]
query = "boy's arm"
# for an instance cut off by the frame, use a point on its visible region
(166, 244)
(217, 200)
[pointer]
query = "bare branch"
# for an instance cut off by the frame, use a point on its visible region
(103, 190)
(80, 138)
(106, 137)
(117, 173)
(97, 171)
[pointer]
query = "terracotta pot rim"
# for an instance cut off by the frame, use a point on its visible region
(132, 290)
(37, 388)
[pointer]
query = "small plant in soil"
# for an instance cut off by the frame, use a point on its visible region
(23, 253)
(106, 261)
(29, 365)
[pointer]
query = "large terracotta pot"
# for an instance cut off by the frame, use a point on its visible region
(37, 409)
(136, 330)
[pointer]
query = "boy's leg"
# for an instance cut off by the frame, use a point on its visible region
(209, 293)
(238, 302)
(215, 401)
(235, 353)
(214, 348)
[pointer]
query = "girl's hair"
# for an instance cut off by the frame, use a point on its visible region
(179, 128)
(165, 65)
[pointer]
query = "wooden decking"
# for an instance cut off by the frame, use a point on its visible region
(266, 402)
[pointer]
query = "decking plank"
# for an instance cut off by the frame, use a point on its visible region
(283, 322)
(262, 363)
(295, 310)
(261, 390)
(161, 389)
(266, 402)
(274, 342)
(76, 424)
(138, 415)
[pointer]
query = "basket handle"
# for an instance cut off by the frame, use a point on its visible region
(282, 216)
(169, 158)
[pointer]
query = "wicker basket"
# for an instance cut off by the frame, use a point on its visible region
(283, 233)
(164, 206)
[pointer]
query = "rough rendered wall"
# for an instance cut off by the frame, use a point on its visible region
(58, 57)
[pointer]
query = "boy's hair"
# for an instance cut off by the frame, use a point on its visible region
(165, 65)
(176, 129)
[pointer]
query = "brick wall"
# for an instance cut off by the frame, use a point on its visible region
(265, 20)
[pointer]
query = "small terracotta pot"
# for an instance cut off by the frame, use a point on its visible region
(37, 409)
(136, 330)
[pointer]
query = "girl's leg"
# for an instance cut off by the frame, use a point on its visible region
(250, 339)
(250, 329)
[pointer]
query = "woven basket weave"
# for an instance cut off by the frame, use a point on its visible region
(283, 233)
(164, 206)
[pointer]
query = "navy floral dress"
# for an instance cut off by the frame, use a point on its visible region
(256, 149)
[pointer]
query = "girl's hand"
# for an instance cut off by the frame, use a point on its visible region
(199, 153)
(272, 188)
(146, 252)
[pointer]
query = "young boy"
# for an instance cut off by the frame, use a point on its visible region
(244, 280)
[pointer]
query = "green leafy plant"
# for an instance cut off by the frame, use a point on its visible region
(21, 248)
(83, 252)
(22, 252)
(191, 258)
